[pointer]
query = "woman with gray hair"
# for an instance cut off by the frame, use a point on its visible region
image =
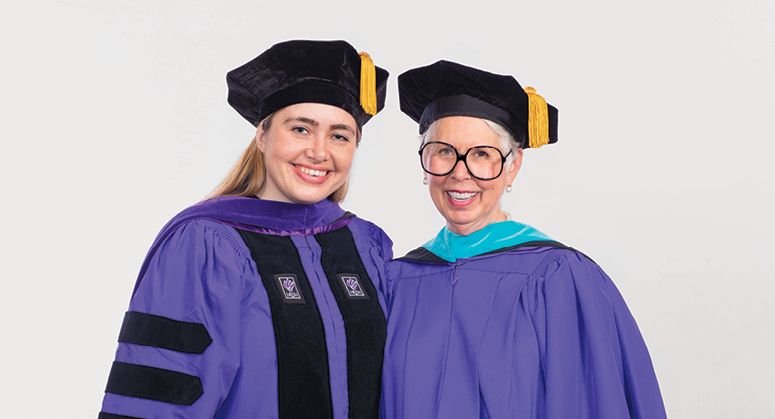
(492, 318)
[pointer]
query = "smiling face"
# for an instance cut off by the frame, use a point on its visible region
(469, 204)
(308, 149)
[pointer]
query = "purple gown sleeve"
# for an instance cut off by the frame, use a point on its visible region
(197, 276)
(593, 358)
(376, 252)
(381, 254)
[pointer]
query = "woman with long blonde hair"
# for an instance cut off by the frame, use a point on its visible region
(265, 299)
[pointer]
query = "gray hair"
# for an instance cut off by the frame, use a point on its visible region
(506, 140)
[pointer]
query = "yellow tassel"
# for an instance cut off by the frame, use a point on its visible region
(368, 85)
(538, 120)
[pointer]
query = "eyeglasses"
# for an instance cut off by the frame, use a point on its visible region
(483, 162)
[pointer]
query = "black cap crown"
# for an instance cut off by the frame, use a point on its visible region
(446, 89)
(300, 71)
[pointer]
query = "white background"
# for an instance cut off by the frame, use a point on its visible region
(114, 118)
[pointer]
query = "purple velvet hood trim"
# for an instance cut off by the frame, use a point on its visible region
(261, 216)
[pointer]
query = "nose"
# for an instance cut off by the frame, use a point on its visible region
(318, 150)
(460, 171)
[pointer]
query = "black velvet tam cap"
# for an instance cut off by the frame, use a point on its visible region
(299, 71)
(446, 89)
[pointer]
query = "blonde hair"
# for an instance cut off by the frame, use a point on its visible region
(248, 174)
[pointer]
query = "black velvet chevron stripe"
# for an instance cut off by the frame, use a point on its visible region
(302, 356)
(163, 332)
(153, 384)
(104, 415)
(364, 322)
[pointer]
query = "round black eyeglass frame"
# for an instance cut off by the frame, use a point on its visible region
(463, 158)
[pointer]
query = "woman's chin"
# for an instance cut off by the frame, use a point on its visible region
(463, 225)
(467, 222)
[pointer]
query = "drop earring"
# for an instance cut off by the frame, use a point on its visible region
(424, 180)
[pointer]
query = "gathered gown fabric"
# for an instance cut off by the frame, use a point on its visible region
(506, 323)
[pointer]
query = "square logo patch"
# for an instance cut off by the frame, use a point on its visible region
(352, 286)
(288, 284)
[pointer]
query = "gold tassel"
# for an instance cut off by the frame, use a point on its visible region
(538, 120)
(368, 84)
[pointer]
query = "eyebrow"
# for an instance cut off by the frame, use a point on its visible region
(342, 127)
(314, 123)
(303, 119)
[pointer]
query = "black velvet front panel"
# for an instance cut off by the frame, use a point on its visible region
(302, 357)
(364, 320)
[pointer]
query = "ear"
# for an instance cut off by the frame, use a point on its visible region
(513, 169)
(260, 138)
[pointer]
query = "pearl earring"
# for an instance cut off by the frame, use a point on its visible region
(508, 188)
(424, 180)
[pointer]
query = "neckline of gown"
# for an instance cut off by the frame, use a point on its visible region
(451, 247)
(274, 215)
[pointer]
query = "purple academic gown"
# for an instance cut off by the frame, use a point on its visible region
(526, 330)
(207, 335)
